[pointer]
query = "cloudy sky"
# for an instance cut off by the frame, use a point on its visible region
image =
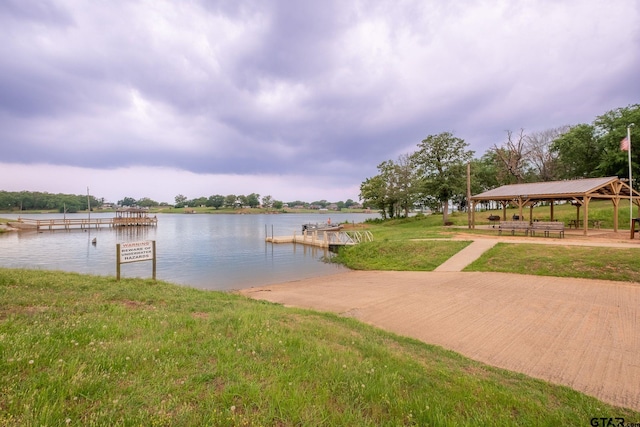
(297, 99)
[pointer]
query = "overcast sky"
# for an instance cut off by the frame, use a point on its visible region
(296, 99)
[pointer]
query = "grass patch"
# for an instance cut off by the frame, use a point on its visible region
(393, 249)
(83, 350)
(402, 255)
(562, 261)
(416, 227)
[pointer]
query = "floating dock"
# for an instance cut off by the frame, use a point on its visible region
(324, 239)
(123, 218)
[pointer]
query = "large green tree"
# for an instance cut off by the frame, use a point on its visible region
(231, 201)
(611, 128)
(181, 200)
(253, 200)
(441, 160)
(592, 150)
(216, 201)
(146, 202)
(394, 189)
(374, 193)
(579, 152)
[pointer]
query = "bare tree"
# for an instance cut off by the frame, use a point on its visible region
(512, 158)
(541, 157)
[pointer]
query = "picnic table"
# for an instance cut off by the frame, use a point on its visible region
(579, 223)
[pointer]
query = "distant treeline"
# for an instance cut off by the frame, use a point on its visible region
(30, 200)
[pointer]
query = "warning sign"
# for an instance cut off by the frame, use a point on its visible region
(136, 251)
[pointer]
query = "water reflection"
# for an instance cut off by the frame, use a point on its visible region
(207, 251)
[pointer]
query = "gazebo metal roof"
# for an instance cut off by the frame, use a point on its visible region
(579, 192)
(559, 190)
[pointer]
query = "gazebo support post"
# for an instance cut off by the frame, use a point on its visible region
(472, 224)
(520, 203)
(585, 201)
(551, 210)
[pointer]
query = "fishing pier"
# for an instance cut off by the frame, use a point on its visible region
(124, 218)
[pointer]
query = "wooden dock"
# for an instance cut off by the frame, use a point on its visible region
(123, 218)
(325, 239)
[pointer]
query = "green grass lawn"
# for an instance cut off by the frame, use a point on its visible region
(563, 261)
(399, 255)
(397, 246)
(81, 350)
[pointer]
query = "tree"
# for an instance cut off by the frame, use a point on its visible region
(610, 129)
(512, 159)
(578, 151)
(484, 174)
(200, 201)
(591, 150)
(322, 203)
(253, 200)
(267, 202)
(127, 201)
(542, 158)
(146, 202)
(441, 160)
(216, 201)
(180, 200)
(231, 200)
(405, 183)
(394, 189)
(373, 193)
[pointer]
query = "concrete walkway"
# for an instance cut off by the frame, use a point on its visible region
(581, 333)
(466, 256)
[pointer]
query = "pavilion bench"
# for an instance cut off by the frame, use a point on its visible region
(548, 227)
(513, 226)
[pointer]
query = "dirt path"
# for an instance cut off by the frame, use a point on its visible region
(577, 332)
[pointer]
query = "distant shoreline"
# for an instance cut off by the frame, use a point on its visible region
(244, 211)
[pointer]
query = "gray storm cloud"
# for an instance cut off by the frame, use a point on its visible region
(299, 88)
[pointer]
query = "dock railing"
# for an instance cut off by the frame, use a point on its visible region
(74, 223)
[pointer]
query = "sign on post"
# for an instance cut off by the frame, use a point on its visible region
(135, 252)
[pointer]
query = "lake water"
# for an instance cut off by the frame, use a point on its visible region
(217, 251)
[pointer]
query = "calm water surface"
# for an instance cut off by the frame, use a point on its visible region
(220, 252)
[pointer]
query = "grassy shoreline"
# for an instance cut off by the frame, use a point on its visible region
(86, 350)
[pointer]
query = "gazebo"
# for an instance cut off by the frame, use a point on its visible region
(579, 192)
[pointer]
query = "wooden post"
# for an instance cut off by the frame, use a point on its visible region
(469, 194)
(118, 261)
(153, 245)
